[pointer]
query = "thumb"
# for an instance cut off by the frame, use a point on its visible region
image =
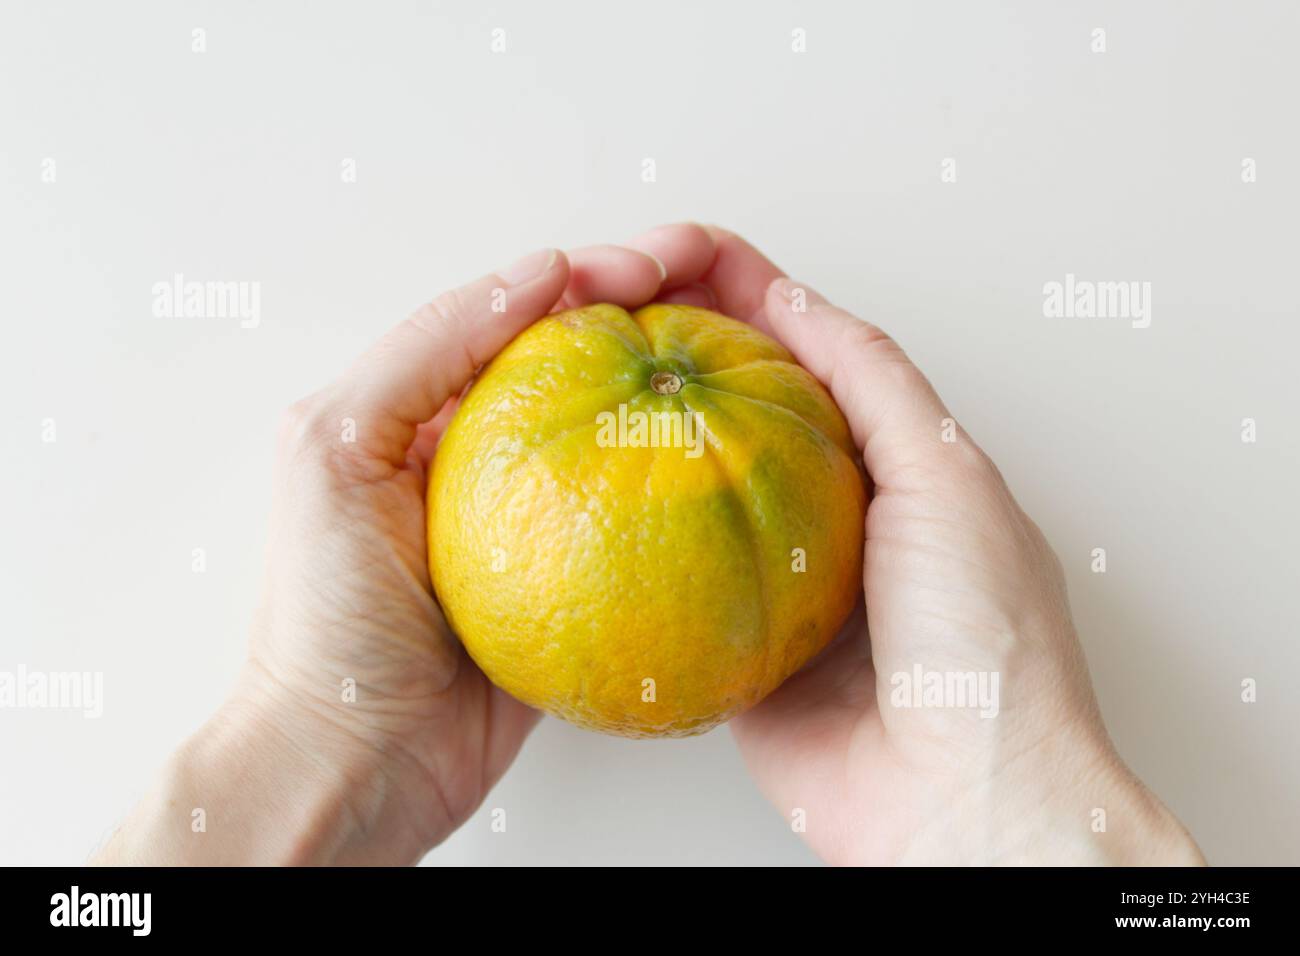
(897, 419)
(410, 373)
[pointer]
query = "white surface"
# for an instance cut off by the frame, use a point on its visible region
(225, 165)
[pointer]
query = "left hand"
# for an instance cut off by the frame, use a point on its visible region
(292, 769)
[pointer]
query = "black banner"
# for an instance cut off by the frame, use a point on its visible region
(208, 905)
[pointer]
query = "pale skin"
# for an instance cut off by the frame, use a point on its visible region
(957, 578)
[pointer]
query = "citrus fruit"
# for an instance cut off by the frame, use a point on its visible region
(644, 523)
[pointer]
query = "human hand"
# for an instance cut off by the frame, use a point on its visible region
(301, 775)
(360, 731)
(957, 580)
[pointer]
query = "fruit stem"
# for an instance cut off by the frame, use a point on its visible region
(666, 383)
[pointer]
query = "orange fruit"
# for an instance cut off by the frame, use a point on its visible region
(644, 523)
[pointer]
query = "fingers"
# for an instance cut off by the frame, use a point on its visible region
(896, 417)
(696, 294)
(686, 250)
(413, 370)
(698, 265)
(665, 258)
(739, 277)
(614, 274)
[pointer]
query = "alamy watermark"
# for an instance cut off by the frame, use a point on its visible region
(182, 299)
(1085, 299)
(962, 690)
(53, 690)
(130, 910)
(627, 428)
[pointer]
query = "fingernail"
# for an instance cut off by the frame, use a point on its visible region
(529, 267)
(663, 269)
(707, 292)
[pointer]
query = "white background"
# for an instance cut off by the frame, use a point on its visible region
(1124, 165)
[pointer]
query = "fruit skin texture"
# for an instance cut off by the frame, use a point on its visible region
(574, 572)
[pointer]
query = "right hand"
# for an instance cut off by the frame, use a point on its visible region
(957, 579)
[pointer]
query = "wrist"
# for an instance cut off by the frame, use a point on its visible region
(1111, 818)
(273, 801)
(1070, 802)
(268, 780)
(334, 780)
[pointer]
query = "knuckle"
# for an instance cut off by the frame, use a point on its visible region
(864, 344)
(1042, 547)
(321, 435)
(301, 424)
(443, 319)
(440, 314)
(975, 461)
(863, 337)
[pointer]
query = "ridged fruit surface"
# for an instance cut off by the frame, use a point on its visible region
(640, 590)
